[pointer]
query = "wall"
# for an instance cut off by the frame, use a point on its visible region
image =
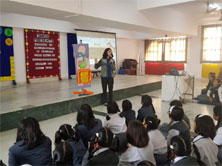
(126, 49)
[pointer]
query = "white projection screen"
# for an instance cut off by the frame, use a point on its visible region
(98, 42)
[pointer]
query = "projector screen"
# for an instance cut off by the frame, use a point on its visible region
(98, 42)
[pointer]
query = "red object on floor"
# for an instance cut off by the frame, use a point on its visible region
(161, 68)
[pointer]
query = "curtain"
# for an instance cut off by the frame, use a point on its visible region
(153, 50)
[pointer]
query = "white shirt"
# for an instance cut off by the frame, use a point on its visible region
(100, 151)
(208, 150)
(159, 142)
(218, 138)
(116, 123)
(178, 159)
(134, 155)
(220, 94)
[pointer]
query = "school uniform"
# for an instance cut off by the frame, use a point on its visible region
(115, 123)
(178, 128)
(79, 151)
(129, 115)
(145, 111)
(134, 155)
(218, 140)
(40, 155)
(185, 160)
(215, 93)
(158, 141)
(207, 149)
(86, 134)
(103, 156)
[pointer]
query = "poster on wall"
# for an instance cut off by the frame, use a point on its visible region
(84, 74)
(7, 68)
(42, 54)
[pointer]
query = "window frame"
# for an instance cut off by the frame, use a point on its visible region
(163, 52)
(202, 40)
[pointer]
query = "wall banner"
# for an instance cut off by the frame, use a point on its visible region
(42, 49)
(7, 68)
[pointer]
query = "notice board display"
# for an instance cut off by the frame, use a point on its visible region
(7, 68)
(42, 54)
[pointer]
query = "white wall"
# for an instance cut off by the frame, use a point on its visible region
(126, 49)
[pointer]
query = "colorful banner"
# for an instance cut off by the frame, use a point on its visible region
(84, 74)
(42, 54)
(7, 68)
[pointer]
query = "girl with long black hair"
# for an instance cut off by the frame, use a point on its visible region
(31, 146)
(70, 135)
(108, 68)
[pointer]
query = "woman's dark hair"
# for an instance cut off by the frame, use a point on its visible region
(205, 126)
(63, 154)
(178, 145)
(66, 132)
(176, 113)
(126, 105)
(152, 122)
(176, 103)
(85, 116)
(105, 137)
(29, 131)
(218, 112)
(105, 53)
(136, 134)
(119, 144)
(146, 100)
(112, 108)
(145, 163)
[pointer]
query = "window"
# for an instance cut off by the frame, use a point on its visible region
(166, 50)
(212, 44)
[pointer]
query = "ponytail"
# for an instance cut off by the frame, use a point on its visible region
(58, 137)
(218, 113)
(197, 153)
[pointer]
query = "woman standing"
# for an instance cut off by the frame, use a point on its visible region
(108, 68)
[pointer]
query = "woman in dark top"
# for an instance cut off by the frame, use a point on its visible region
(147, 108)
(127, 112)
(87, 124)
(71, 136)
(108, 68)
(31, 146)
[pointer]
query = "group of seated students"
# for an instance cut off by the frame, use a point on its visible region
(212, 94)
(121, 138)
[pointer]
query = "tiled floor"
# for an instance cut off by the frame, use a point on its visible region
(49, 127)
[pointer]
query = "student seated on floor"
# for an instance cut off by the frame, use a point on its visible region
(178, 153)
(31, 146)
(147, 108)
(211, 78)
(99, 152)
(114, 120)
(220, 74)
(204, 148)
(177, 126)
(67, 134)
(63, 154)
(127, 111)
(87, 124)
(218, 138)
(140, 147)
(159, 142)
(215, 93)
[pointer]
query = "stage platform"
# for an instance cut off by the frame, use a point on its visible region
(45, 100)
